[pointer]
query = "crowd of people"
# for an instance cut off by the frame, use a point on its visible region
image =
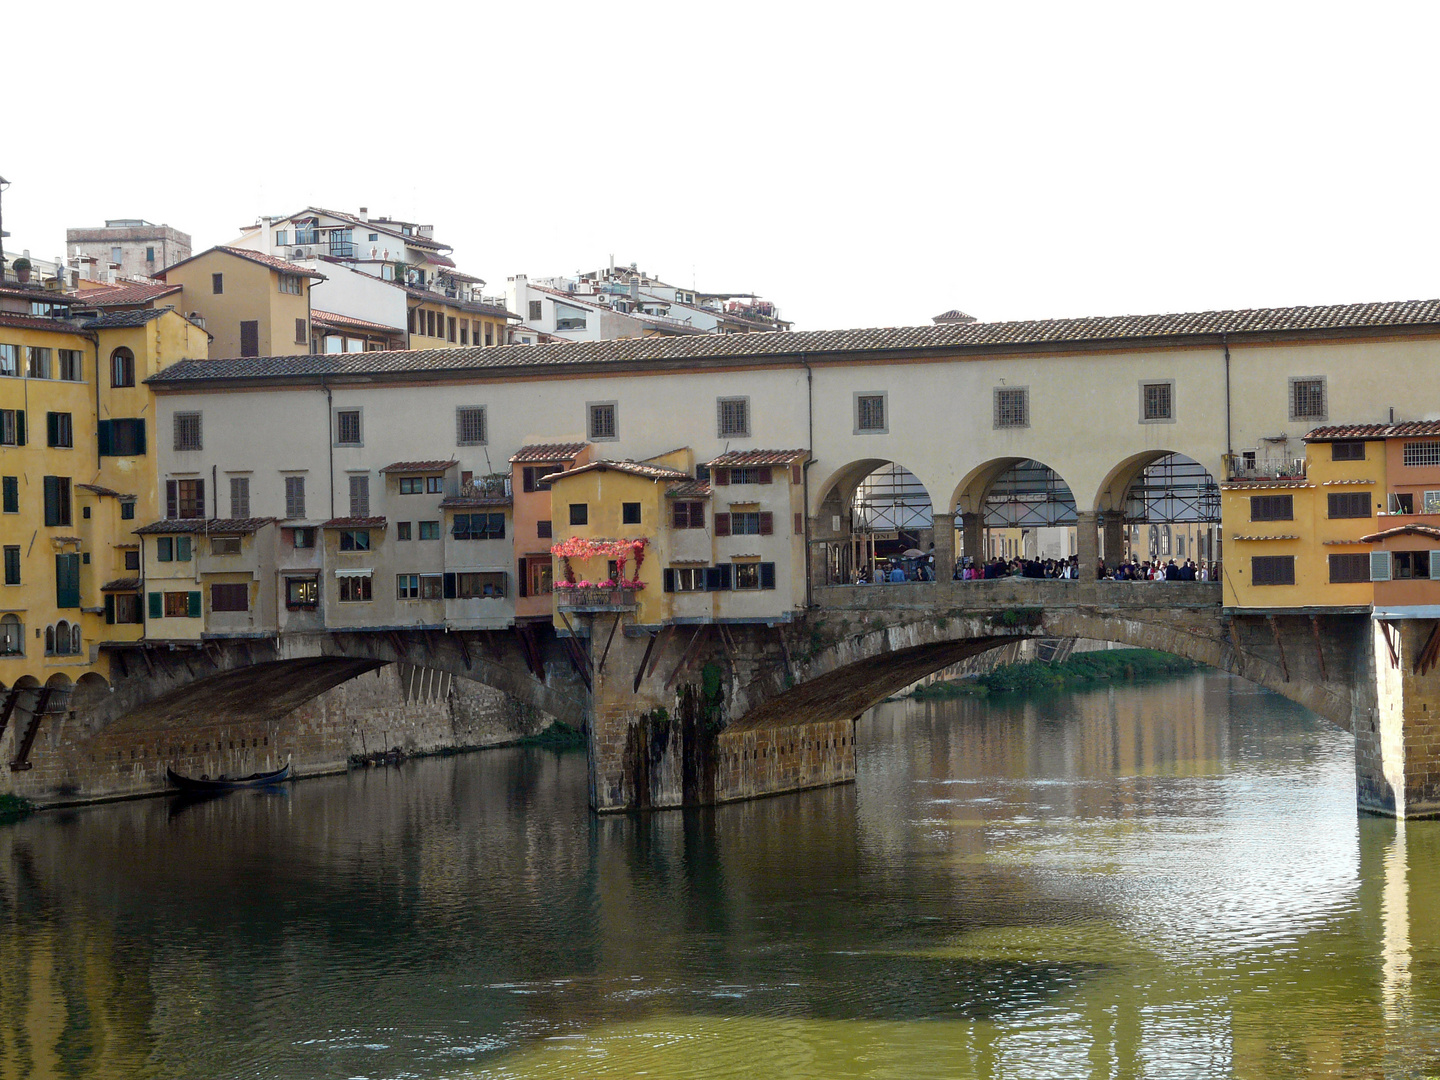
(967, 569)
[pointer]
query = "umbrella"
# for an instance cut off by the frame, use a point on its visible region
(912, 553)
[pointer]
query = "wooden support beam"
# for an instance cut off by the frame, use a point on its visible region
(613, 627)
(431, 646)
(464, 649)
(1430, 653)
(1386, 630)
(117, 659)
(785, 651)
(728, 644)
(1319, 646)
(397, 643)
(686, 656)
(493, 645)
(579, 658)
(665, 635)
(639, 671)
(145, 655)
(531, 648)
(21, 761)
(7, 708)
(1280, 645)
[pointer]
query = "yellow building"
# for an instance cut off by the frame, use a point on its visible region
(77, 472)
(440, 322)
(252, 304)
(1294, 541)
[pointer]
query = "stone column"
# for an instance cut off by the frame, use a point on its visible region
(973, 526)
(1087, 544)
(1114, 538)
(1397, 745)
(944, 546)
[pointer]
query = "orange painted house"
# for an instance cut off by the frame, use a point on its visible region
(533, 530)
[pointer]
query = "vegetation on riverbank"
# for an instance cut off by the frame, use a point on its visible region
(558, 736)
(1081, 670)
(13, 808)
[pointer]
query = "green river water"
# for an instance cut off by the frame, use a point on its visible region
(1160, 880)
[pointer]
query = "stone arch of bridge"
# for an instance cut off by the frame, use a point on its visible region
(857, 671)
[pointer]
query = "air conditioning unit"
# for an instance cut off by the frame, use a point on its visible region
(300, 253)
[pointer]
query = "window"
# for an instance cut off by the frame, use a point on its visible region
(347, 427)
(290, 283)
(747, 575)
(1350, 504)
(537, 310)
(1157, 401)
(475, 585)
(302, 594)
(71, 366)
(745, 523)
(402, 530)
(407, 586)
(431, 587)
(1272, 570)
(239, 496)
(489, 335)
(684, 579)
(360, 496)
(464, 331)
(12, 636)
(602, 420)
(543, 530)
(688, 515)
(430, 323)
(185, 498)
(12, 565)
(1421, 453)
(127, 511)
(1012, 407)
(477, 527)
(217, 283)
(1348, 451)
(579, 513)
(149, 254)
(250, 338)
(630, 513)
(430, 530)
(355, 588)
(435, 485)
(302, 335)
(870, 414)
(752, 474)
(450, 332)
(10, 485)
(302, 538)
(58, 430)
(1412, 564)
(225, 545)
(187, 431)
(164, 549)
(12, 427)
(1272, 507)
(121, 438)
(39, 366)
(9, 360)
(1402, 502)
(117, 254)
(295, 497)
(1346, 568)
(57, 500)
(412, 485)
(470, 425)
(372, 238)
(123, 608)
(540, 577)
(132, 559)
(532, 476)
(355, 540)
(229, 596)
(177, 605)
(1430, 502)
(733, 417)
(282, 237)
(1307, 399)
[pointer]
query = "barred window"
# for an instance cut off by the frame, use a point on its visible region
(734, 417)
(1307, 399)
(347, 427)
(1272, 508)
(187, 431)
(602, 420)
(1422, 453)
(870, 412)
(295, 497)
(1272, 570)
(1012, 407)
(470, 425)
(1158, 401)
(1350, 450)
(1349, 504)
(1347, 568)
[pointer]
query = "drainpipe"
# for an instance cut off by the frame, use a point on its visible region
(805, 477)
(330, 442)
(1229, 448)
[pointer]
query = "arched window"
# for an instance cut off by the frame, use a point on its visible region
(49, 641)
(12, 635)
(62, 638)
(75, 639)
(122, 367)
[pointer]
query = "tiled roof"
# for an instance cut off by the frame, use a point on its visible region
(123, 295)
(1411, 428)
(124, 584)
(204, 525)
(954, 315)
(1429, 531)
(1287, 537)
(274, 263)
(547, 452)
(420, 466)
(1346, 483)
(694, 489)
(113, 320)
(633, 468)
(57, 326)
(330, 318)
(816, 345)
(355, 523)
(96, 489)
(430, 297)
(464, 502)
(759, 457)
(1262, 485)
(389, 228)
(30, 292)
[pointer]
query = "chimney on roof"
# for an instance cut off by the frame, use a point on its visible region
(364, 214)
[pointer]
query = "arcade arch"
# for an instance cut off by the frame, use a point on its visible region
(871, 510)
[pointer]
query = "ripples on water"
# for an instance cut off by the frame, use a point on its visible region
(1167, 880)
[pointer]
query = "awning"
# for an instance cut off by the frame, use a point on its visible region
(355, 573)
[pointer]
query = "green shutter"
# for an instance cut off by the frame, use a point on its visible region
(109, 609)
(194, 605)
(1380, 566)
(67, 581)
(767, 575)
(52, 500)
(52, 429)
(12, 494)
(182, 549)
(103, 437)
(19, 427)
(157, 606)
(449, 586)
(139, 437)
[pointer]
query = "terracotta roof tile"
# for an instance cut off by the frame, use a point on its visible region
(759, 457)
(204, 525)
(123, 295)
(633, 468)
(1429, 531)
(38, 293)
(464, 502)
(113, 320)
(124, 584)
(547, 452)
(980, 338)
(1412, 428)
(354, 523)
(420, 466)
(343, 322)
(274, 263)
(33, 322)
(694, 489)
(96, 489)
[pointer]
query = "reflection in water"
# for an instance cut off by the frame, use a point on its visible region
(1167, 880)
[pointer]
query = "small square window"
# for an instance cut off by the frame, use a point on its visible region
(1347, 450)
(429, 530)
(542, 530)
(602, 425)
(1012, 406)
(402, 530)
(870, 414)
(733, 420)
(470, 425)
(630, 513)
(187, 431)
(1157, 402)
(348, 430)
(579, 513)
(1307, 398)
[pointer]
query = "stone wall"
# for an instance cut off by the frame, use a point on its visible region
(413, 710)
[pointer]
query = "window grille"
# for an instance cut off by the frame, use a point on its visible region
(1012, 408)
(1421, 453)
(734, 417)
(870, 412)
(1159, 401)
(187, 431)
(602, 421)
(470, 425)
(1307, 399)
(347, 427)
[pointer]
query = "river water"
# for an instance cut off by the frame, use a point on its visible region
(1167, 880)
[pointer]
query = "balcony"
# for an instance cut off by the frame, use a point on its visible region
(1252, 467)
(596, 599)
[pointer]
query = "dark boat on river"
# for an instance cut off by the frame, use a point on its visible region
(224, 783)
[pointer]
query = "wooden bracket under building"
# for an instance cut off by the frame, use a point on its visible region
(579, 658)
(685, 658)
(21, 761)
(531, 648)
(606, 652)
(464, 649)
(1430, 653)
(1386, 631)
(7, 708)
(639, 671)
(1279, 645)
(785, 651)
(1319, 646)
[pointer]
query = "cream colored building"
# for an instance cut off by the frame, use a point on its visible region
(251, 303)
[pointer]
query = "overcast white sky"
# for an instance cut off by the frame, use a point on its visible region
(860, 165)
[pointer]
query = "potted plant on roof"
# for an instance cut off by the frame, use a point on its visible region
(21, 266)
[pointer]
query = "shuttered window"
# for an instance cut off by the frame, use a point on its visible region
(57, 500)
(1348, 568)
(1349, 504)
(1272, 507)
(229, 597)
(295, 497)
(1347, 451)
(360, 496)
(1272, 570)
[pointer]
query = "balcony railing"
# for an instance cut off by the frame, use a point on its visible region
(595, 599)
(1249, 467)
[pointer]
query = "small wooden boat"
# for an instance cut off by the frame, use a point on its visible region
(225, 783)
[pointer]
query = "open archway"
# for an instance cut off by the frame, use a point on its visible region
(1015, 508)
(872, 512)
(1157, 506)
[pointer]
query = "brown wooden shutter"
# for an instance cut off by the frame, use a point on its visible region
(720, 477)
(799, 524)
(767, 523)
(680, 515)
(762, 475)
(797, 475)
(172, 499)
(697, 515)
(722, 524)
